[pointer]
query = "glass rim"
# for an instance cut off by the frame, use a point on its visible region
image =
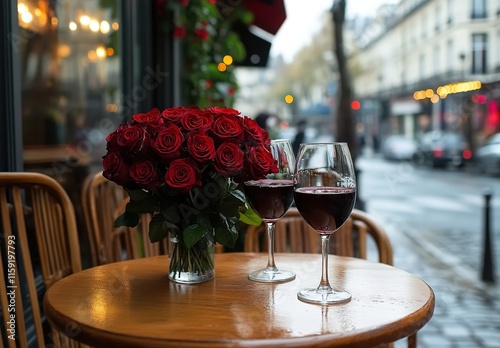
(326, 143)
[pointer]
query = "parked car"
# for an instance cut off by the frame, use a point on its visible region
(488, 155)
(399, 148)
(441, 148)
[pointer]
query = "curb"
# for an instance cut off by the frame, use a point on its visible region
(467, 274)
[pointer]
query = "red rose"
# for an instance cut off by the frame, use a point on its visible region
(183, 174)
(196, 119)
(259, 162)
(135, 140)
(179, 32)
(253, 132)
(174, 114)
(216, 111)
(168, 142)
(229, 159)
(151, 118)
(201, 147)
(112, 139)
(145, 174)
(228, 127)
(115, 168)
(202, 33)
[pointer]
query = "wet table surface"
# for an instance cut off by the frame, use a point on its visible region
(133, 303)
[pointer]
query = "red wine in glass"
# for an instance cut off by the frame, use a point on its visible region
(325, 208)
(325, 193)
(270, 199)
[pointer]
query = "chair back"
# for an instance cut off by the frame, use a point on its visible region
(292, 234)
(103, 201)
(37, 221)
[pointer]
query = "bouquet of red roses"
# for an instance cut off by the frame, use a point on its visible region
(184, 166)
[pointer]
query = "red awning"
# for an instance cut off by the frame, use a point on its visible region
(269, 15)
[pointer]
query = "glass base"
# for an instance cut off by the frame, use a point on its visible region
(271, 276)
(316, 296)
(191, 277)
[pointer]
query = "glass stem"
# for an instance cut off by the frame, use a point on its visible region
(270, 240)
(324, 285)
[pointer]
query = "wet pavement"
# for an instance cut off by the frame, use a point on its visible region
(467, 312)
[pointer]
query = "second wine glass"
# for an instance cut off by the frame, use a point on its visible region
(271, 198)
(325, 193)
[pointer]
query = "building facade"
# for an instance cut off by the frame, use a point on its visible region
(435, 65)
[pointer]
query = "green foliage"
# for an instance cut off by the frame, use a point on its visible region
(208, 38)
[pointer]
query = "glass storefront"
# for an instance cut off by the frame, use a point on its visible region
(71, 91)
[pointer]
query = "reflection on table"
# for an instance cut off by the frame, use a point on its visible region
(133, 303)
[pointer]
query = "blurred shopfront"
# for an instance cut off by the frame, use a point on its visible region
(71, 71)
(74, 70)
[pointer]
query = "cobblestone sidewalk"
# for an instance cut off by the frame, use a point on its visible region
(467, 312)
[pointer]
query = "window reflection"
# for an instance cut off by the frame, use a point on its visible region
(70, 73)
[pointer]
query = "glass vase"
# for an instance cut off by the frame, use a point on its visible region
(191, 265)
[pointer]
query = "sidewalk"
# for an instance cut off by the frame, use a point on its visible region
(467, 312)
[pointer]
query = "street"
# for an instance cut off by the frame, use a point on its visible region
(435, 220)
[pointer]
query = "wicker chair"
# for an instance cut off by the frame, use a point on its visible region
(38, 220)
(294, 235)
(103, 201)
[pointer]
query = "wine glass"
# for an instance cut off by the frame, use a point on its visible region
(271, 198)
(324, 192)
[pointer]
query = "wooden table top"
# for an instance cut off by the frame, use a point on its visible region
(133, 303)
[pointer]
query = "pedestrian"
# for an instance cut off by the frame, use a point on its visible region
(299, 136)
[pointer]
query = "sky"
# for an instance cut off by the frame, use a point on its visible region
(304, 19)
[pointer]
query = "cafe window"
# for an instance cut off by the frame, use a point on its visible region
(479, 53)
(478, 9)
(70, 69)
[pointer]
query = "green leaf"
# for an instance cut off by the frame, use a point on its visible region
(250, 218)
(159, 228)
(138, 195)
(239, 195)
(193, 233)
(225, 234)
(170, 213)
(228, 209)
(204, 221)
(128, 218)
(143, 206)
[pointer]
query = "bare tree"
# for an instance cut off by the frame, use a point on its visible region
(345, 118)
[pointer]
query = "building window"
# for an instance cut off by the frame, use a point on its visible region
(436, 61)
(479, 52)
(497, 68)
(424, 25)
(478, 9)
(421, 66)
(449, 5)
(438, 14)
(449, 55)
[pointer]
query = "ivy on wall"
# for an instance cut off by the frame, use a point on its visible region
(209, 48)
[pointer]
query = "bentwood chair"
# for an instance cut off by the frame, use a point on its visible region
(293, 234)
(103, 201)
(39, 236)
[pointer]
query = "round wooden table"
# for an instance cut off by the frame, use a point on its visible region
(133, 303)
